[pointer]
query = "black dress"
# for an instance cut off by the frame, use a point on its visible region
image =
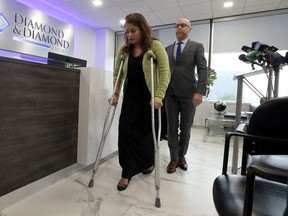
(135, 142)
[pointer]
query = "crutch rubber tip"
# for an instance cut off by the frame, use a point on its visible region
(91, 183)
(157, 202)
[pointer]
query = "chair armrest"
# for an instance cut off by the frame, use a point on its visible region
(228, 137)
(242, 128)
(270, 173)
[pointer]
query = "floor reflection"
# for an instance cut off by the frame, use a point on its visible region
(184, 193)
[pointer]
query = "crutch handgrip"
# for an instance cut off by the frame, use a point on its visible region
(122, 57)
(151, 55)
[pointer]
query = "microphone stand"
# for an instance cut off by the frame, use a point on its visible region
(269, 71)
(276, 69)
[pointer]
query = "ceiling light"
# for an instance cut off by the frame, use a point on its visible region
(122, 22)
(228, 4)
(97, 2)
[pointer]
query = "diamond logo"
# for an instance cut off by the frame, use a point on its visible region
(4, 23)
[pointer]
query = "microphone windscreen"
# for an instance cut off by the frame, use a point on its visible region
(243, 58)
(252, 56)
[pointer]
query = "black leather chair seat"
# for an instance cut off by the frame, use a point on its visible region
(261, 189)
(229, 192)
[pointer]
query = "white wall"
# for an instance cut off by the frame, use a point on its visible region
(105, 49)
(85, 44)
(93, 107)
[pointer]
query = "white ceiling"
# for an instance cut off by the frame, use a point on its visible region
(158, 12)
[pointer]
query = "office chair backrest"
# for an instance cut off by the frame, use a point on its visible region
(270, 119)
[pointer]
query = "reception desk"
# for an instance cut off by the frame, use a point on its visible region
(39, 107)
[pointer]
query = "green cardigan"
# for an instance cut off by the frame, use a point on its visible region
(161, 62)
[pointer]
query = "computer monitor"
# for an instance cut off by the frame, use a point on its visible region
(65, 61)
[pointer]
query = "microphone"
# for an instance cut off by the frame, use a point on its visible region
(264, 54)
(276, 58)
(253, 55)
(151, 55)
(259, 46)
(243, 58)
(246, 49)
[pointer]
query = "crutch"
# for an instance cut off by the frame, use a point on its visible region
(156, 140)
(107, 123)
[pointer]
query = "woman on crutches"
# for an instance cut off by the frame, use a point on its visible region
(135, 141)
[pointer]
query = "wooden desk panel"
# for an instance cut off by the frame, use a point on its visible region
(39, 121)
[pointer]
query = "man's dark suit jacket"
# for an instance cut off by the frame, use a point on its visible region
(183, 81)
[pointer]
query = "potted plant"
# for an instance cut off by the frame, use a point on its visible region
(212, 76)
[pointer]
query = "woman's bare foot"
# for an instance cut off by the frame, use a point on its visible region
(123, 181)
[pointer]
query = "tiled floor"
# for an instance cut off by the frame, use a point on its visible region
(184, 193)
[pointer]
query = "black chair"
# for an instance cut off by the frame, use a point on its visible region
(261, 187)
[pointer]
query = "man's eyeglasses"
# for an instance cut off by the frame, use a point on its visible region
(182, 25)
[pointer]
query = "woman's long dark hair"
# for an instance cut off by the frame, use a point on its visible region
(139, 21)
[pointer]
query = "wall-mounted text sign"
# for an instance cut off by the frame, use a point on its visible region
(26, 30)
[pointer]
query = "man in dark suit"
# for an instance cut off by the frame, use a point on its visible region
(184, 92)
